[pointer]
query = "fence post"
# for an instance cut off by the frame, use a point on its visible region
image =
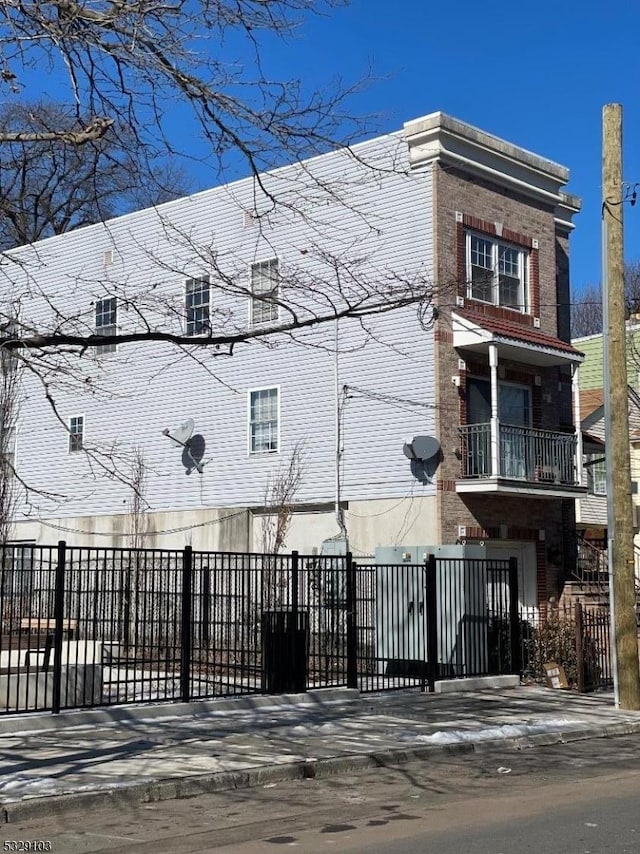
(58, 616)
(514, 618)
(580, 648)
(186, 628)
(352, 628)
(294, 581)
(431, 597)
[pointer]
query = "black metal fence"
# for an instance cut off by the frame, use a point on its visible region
(576, 636)
(91, 627)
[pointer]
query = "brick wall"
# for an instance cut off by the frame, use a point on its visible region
(521, 221)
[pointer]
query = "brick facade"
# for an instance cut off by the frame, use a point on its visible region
(495, 210)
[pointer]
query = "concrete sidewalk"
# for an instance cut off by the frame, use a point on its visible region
(139, 754)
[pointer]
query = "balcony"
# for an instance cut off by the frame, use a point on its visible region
(524, 460)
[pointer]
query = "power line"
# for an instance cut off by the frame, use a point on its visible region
(164, 531)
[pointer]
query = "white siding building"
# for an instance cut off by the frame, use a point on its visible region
(169, 268)
(477, 227)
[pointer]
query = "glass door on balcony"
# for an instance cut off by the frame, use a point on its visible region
(514, 406)
(478, 432)
(515, 421)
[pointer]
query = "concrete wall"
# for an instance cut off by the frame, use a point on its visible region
(410, 520)
(207, 530)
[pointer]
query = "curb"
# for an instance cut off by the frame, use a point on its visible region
(318, 698)
(190, 787)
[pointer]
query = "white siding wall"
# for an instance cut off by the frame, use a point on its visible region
(128, 398)
(592, 510)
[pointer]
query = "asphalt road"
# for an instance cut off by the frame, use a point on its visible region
(579, 798)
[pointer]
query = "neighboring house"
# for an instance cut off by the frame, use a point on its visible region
(491, 375)
(591, 509)
(592, 371)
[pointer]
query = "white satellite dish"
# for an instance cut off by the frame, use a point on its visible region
(181, 435)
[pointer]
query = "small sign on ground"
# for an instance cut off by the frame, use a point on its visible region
(556, 677)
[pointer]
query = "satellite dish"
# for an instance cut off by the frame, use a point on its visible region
(424, 447)
(407, 450)
(193, 453)
(181, 435)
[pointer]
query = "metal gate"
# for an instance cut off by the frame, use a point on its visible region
(441, 619)
(504, 633)
(89, 627)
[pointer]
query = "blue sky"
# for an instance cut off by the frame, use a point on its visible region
(537, 75)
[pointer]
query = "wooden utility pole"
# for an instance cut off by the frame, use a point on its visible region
(620, 516)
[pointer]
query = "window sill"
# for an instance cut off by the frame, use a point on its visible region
(477, 301)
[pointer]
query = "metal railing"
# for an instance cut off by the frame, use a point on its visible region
(578, 637)
(592, 566)
(86, 627)
(475, 442)
(524, 453)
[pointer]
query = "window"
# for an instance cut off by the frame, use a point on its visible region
(596, 474)
(263, 421)
(514, 403)
(197, 306)
(496, 272)
(264, 292)
(76, 433)
(106, 322)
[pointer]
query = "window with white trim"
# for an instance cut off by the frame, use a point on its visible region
(264, 292)
(263, 421)
(597, 474)
(197, 306)
(76, 433)
(106, 322)
(497, 272)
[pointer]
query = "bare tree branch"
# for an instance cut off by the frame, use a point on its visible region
(9, 402)
(126, 62)
(280, 495)
(586, 310)
(49, 188)
(91, 133)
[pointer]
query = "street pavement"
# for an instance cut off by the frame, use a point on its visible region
(132, 755)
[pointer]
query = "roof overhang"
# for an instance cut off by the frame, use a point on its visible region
(471, 336)
(439, 137)
(592, 444)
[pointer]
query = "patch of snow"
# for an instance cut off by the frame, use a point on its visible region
(20, 787)
(459, 736)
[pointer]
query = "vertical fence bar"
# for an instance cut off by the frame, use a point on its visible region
(352, 628)
(185, 663)
(580, 647)
(431, 597)
(514, 617)
(205, 606)
(294, 581)
(58, 615)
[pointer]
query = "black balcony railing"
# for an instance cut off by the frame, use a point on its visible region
(524, 453)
